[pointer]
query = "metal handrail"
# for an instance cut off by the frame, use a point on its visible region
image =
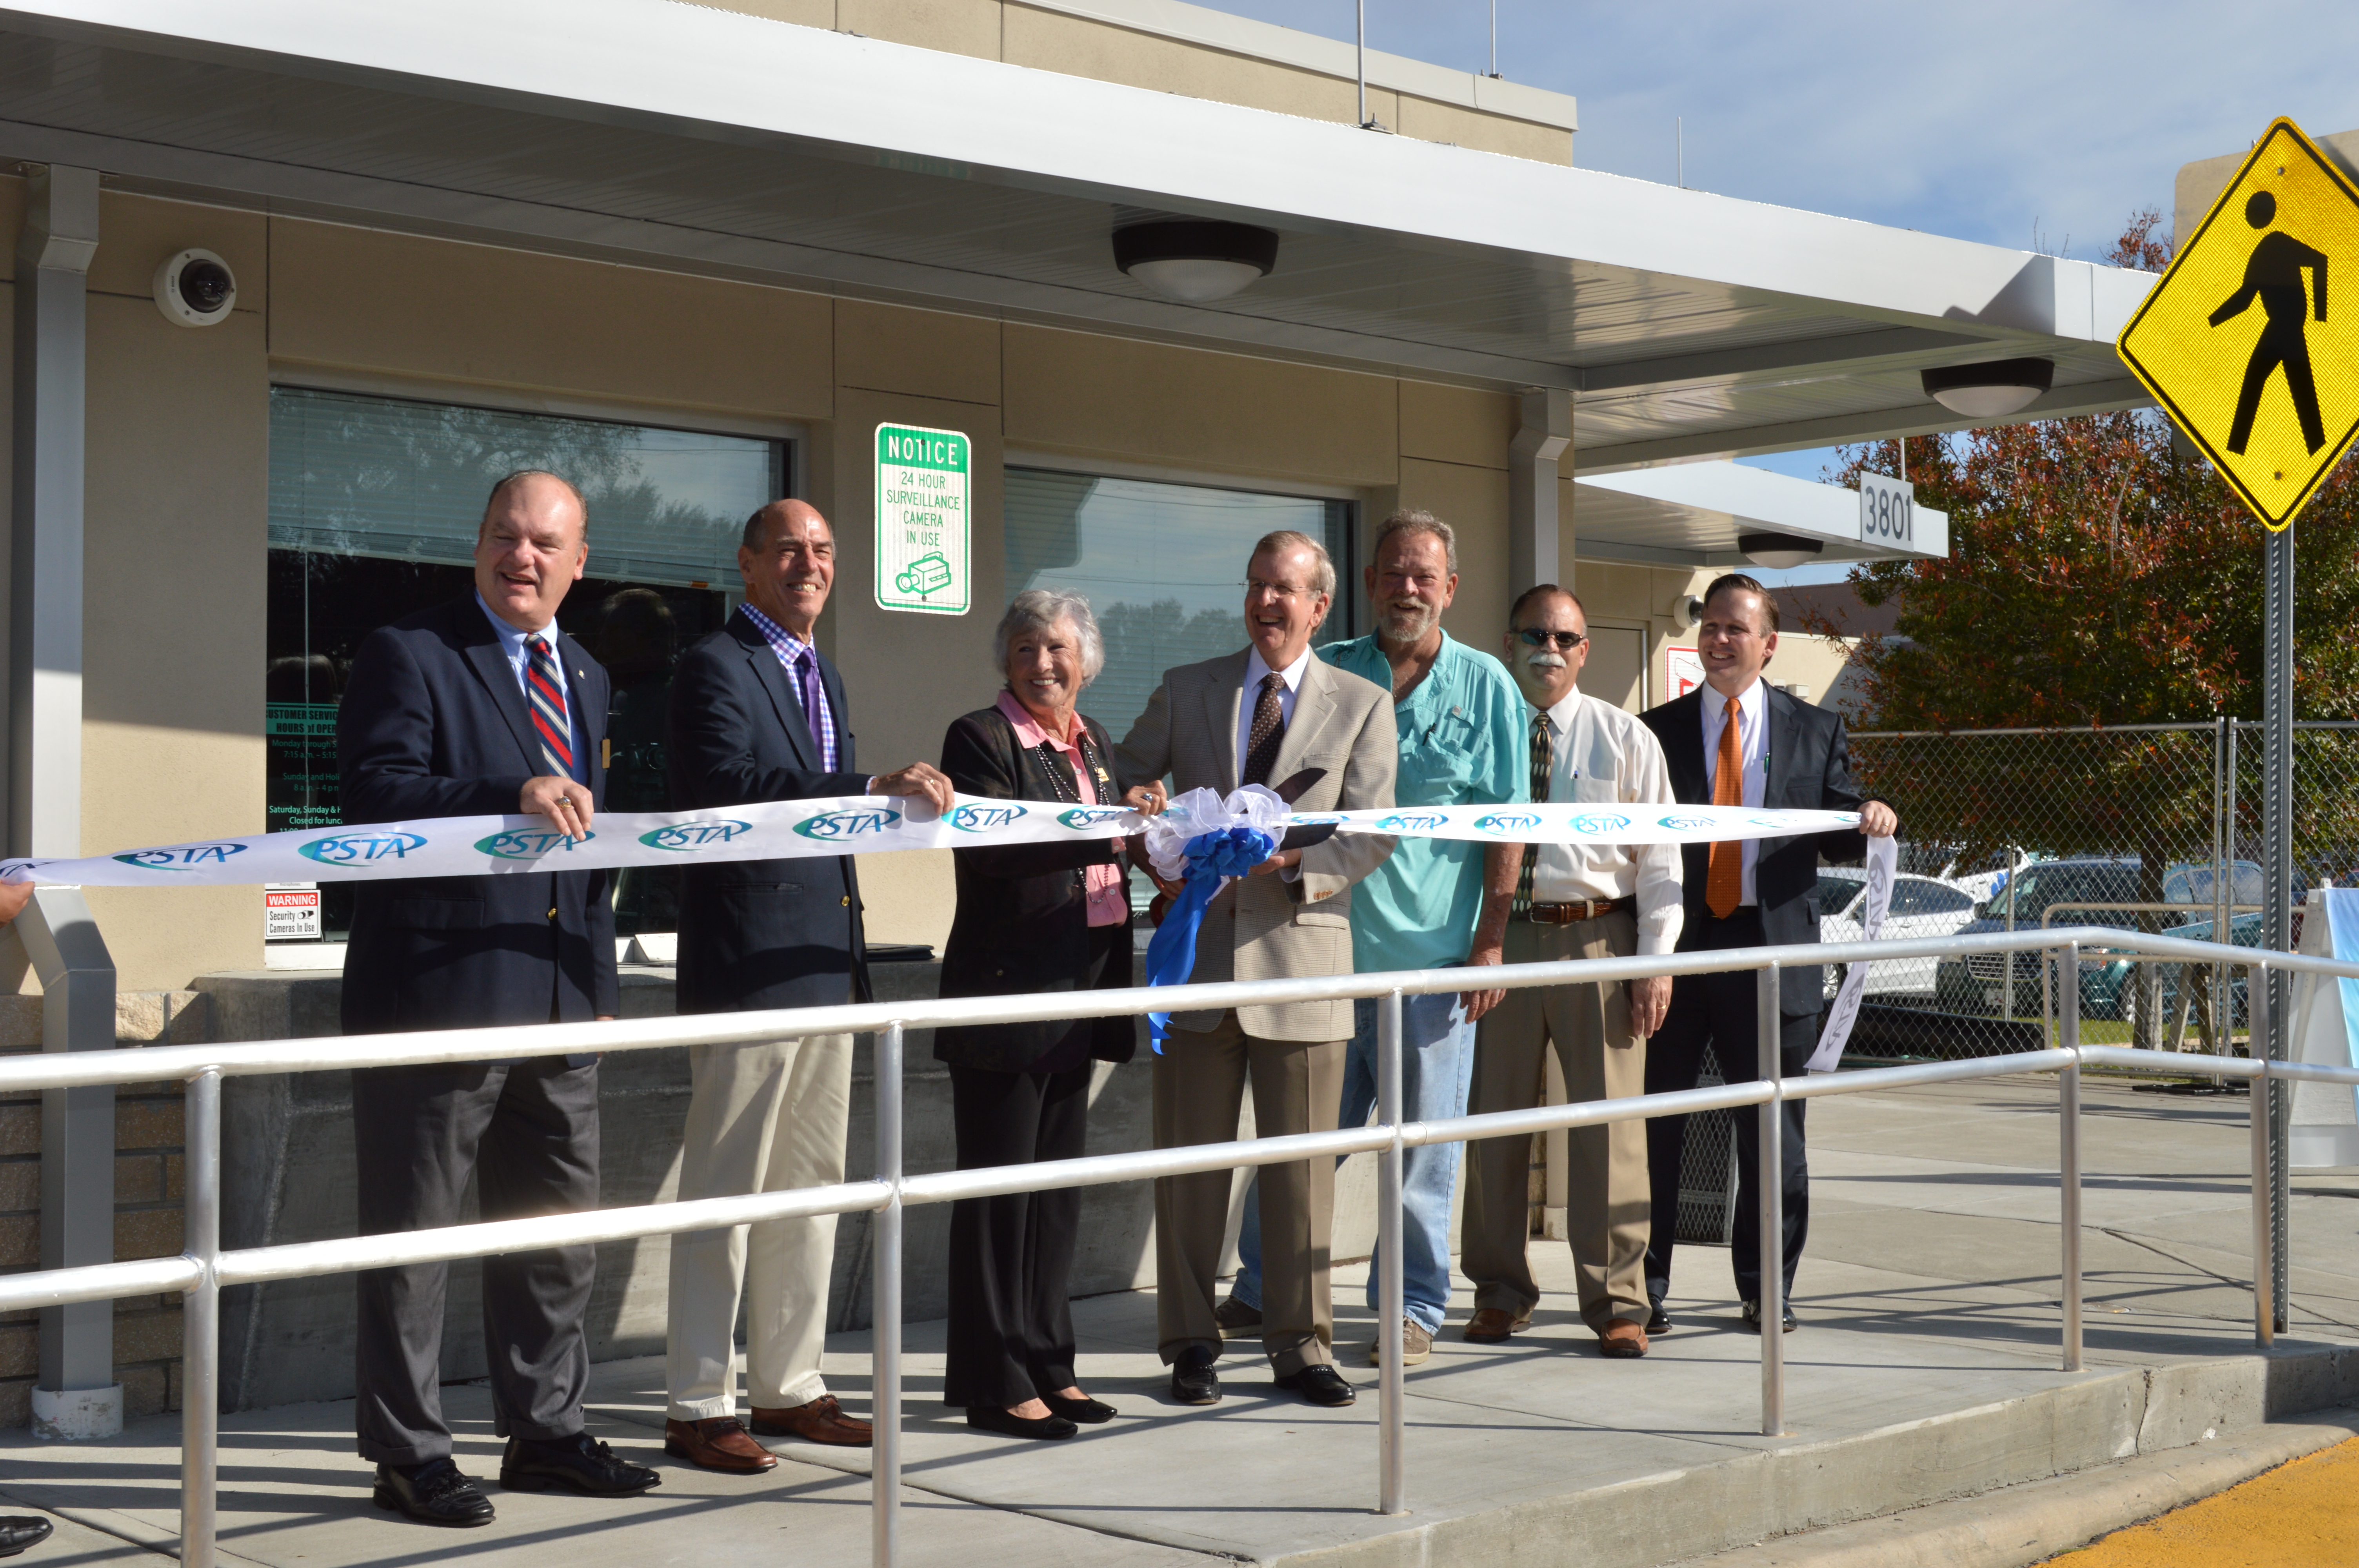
(202, 1271)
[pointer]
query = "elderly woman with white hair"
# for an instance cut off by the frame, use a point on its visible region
(1031, 917)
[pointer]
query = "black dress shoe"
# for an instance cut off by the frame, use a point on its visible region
(432, 1493)
(1007, 1424)
(1088, 1412)
(1193, 1381)
(1657, 1320)
(1320, 1383)
(20, 1530)
(577, 1464)
(1752, 1316)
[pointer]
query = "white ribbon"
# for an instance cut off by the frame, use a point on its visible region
(1883, 864)
(493, 846)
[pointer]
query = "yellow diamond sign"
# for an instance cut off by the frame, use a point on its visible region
(2238, 341)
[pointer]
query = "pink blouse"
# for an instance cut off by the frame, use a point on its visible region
(1109, 904)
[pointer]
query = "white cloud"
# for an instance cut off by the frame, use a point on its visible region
(1985, 122)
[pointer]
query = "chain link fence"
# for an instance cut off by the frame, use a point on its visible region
(2151, 828)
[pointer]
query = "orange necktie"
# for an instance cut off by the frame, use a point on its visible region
(1723, 882)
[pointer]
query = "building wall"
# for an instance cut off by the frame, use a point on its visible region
(1178, 48)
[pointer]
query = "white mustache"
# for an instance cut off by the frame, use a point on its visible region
(1544, 661)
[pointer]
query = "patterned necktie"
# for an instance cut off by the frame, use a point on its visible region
(545, 682)
(1268, 733)
(816, 712)
(1723, 882)
(1543, 775)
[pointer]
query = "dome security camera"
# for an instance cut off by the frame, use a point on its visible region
(194, 289)
(1686, 610)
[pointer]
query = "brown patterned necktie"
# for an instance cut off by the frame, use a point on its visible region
(1267, 734)
(1543, 772)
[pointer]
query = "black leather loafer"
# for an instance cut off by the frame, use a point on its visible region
(1088, 1412)
(1753, 1317)
(18, 1532)
(1320, 1384)
(577, 1464)
(1657, 1320)
(1193, 1381)
(432, 1493)
(1007, 1424)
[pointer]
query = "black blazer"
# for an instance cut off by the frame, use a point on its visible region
(1809, 770)
(434, 724)
(760, 933)
(1023, 921)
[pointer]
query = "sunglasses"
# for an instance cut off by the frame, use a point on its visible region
(1563, 642)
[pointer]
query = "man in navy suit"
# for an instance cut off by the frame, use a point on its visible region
(480, 708)
(758, 714)
(1738, 740)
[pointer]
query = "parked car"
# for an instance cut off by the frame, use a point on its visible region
(1921, 906)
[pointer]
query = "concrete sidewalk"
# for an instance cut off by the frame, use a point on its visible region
(1925, 1369)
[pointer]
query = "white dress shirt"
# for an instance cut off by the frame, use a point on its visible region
(1605, 755)
(1753, 745)
(519, 656)
(1255, 670)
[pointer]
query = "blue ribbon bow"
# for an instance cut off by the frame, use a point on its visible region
(1171, 951)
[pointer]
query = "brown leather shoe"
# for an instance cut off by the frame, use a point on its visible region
(717, 1443)
(1622, 1339)
(822, 1420)
(1491, 1325)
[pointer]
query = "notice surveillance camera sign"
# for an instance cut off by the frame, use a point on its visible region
(922, 492)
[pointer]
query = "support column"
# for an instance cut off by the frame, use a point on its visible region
(76, 1396)
(45, 563)
(1543, 435)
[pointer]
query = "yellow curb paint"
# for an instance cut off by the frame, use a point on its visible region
(2302, 1515)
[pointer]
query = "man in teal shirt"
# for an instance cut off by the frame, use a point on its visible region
(1461, 722)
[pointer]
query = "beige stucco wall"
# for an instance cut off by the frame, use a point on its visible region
(1105, 51)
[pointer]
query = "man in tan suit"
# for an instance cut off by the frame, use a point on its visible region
(1261, 716)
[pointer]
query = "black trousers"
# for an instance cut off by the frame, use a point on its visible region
(1721, 1011)
(1011, 1328)
(528, 1133)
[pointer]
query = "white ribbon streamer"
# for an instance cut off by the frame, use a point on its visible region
(492, 846)
(1883, 865)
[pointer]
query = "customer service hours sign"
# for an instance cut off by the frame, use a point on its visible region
(922, 494)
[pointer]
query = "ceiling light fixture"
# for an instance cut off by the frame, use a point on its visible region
(1992, 390)
(1195, 260)
(1779, 552)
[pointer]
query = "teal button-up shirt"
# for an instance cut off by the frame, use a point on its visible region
(1462, 743)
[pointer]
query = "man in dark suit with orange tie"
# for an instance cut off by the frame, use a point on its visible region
(1738, 740)
(483, 706)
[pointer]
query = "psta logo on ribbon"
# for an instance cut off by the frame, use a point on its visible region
(1688, 824)
(973, 818)
(1508, 824)
(358, 849)
(833, 826)
(527, 844)
(186, 858)
(686, 838)
(1085, 816)
(1599, 823)
(1411, 822)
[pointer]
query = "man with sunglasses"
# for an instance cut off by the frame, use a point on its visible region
(1566, 901)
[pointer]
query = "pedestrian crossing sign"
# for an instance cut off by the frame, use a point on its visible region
(2241, 341)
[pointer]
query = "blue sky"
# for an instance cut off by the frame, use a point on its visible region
(2033, 125)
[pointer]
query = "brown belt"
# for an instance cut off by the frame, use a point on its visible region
(1566, 914)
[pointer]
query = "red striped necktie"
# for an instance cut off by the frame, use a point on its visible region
(545, 683)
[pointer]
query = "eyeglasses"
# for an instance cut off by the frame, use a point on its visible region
(1563, 642)
(1278, 590)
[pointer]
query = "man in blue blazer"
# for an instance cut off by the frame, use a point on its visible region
(481, 707)
(758, 714)
(1738, 740)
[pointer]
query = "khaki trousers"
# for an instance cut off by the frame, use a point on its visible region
(1199, 1083)
(763, 1119)
(1606, 1211)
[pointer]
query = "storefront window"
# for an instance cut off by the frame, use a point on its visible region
(374, 508)
(1163, 567)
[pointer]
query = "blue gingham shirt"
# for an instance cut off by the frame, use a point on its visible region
(801, 661)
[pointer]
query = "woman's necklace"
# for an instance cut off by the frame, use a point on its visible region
(1057, 782)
